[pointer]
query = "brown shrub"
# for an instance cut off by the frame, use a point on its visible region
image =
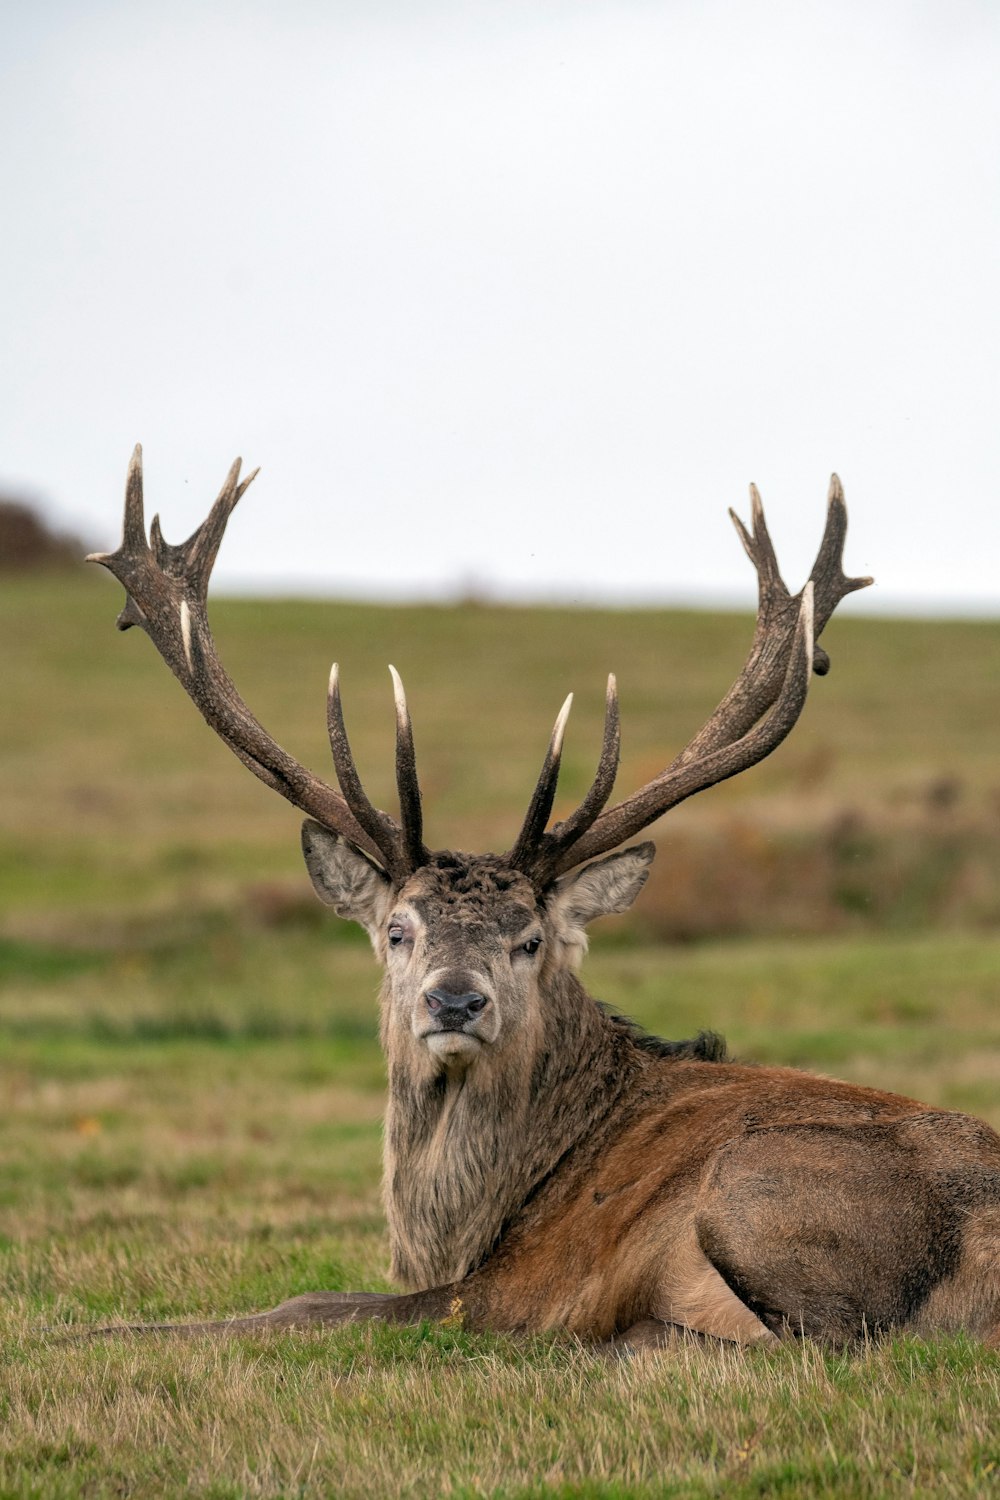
(26, 541)
(851, 872)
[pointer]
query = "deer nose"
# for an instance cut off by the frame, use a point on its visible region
(453, 1010)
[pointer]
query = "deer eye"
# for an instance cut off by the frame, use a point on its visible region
(531, 946)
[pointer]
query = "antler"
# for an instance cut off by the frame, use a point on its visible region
(167, 590)
(536, 851)
(753, 718)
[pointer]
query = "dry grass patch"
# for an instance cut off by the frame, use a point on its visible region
(385, 1412)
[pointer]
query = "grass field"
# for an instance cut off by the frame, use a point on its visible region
(193, 1087)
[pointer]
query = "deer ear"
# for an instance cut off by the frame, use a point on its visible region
(345, 878)
(597, 890)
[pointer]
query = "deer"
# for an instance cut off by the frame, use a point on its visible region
(548, 1165)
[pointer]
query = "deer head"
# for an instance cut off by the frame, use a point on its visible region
(471, 944)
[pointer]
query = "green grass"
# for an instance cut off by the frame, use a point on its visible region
(166, 1159)
(193, 1088)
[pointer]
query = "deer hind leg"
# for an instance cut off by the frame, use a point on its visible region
(694, 1298)
(839, 1230)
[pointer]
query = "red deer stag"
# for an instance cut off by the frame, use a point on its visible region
(547, 1164)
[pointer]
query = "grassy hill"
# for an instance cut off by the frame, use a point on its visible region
(193, 1086)
(883, 808)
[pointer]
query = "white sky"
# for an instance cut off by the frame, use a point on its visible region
(514, 295)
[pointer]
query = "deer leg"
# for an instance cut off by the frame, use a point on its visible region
(840, 1231)
(314, 1309)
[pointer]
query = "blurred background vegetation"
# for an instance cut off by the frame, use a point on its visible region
(119, 809)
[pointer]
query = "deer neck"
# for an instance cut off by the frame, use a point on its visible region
(464, 1152)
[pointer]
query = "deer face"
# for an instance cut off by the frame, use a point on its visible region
(469, 945)
(462, 944)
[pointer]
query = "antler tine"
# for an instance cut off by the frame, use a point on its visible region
(570, 829)
(195, 558)
(566, 833)
(832, 583)
(407, 785)
(758, 546)
(167, 588)
(134, 530)
(679, 782)
(134, 551)
(528, 840)
(383, 831)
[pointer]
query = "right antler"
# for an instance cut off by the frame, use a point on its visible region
(753, 718)
(167, 589)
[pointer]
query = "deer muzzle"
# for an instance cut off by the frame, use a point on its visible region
(452, 1011)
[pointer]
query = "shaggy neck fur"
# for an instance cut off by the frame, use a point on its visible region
(464, 1151)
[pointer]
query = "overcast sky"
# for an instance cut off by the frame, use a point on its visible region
(511, 296)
